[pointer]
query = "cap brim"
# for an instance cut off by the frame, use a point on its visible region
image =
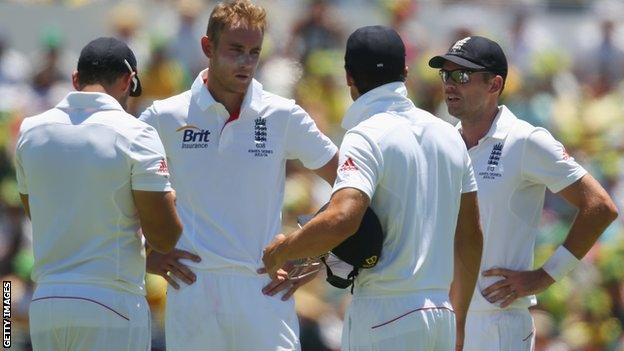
(438, 62)
(139, 88)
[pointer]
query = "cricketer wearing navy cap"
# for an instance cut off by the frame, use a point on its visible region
(515, 162)
(404, 164)
(90, 176)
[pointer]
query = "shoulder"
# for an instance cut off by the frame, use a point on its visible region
(272, 104)
(172, 106)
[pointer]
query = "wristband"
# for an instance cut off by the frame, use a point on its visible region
(560, 263)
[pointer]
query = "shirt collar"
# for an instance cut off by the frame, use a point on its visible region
(84, 100)
(203, 98)
(385, 98)
(501, 125)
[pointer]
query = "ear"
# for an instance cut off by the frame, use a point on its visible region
(75, 82)
(350, 81)
(208, 46)
(405, 71)
(497, 84)
(125, 82)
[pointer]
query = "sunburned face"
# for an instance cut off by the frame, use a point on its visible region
(234, 59)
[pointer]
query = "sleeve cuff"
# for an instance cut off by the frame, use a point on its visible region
(322, 161)
(578, 174)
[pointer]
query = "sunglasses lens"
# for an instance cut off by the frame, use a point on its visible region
(444, 75)
(457, 76)
(461, 77)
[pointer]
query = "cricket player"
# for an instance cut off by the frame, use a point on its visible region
(89, 175)
(514, 163)
(227, 140)
(405, 164)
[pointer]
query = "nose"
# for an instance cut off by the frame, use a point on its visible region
(247, 60)
(450, 87)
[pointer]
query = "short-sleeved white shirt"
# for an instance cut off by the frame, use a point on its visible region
(513, 164)
(414, 168)
(229, 177)
(78, 163)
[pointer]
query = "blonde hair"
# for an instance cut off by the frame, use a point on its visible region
(233, 14)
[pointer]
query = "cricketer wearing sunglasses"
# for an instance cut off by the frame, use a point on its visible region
(514, 162)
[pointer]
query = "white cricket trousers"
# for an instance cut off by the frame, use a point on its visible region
(501, 330)
(226, 311)
(77, 317)
(397, 324)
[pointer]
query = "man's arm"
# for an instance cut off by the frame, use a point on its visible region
(328, 171)
(325, 231)
(24, 198)
(596, 211)
(159, 219)
(468, 247)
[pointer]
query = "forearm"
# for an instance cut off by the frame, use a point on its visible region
(466, 271)
(589, 224)
(596, 210)
(324, 232)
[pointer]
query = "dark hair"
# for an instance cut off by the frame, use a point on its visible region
(103, 75)
(366, 81)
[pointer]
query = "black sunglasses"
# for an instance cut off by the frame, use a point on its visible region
(459, 76)
(339, 282)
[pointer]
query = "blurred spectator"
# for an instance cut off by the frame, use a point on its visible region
(51, 72)
(14, 66)
(317, 29)
(163, 77)
(602, 66)
(126, 21)
(185, 45)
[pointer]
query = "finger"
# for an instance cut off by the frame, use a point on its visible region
(503, 283)
(498, 295)
(171, 281)
(182, 272)
(497, 272)
(276, 285)
(509, 300)
(185, 254)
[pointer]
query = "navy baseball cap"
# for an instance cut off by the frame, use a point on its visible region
(375, 50)
(110, 54)
(360, 250)
(475, 52)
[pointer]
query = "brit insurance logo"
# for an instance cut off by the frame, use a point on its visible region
(194, 137)
(260, 139)
(493, 170)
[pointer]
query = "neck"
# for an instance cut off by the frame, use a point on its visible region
(231, 100)
(473, 129)
(95, 88)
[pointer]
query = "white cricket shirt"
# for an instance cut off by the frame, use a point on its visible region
(229, 177)
(414, 168)
(513, 164)
(79, 163)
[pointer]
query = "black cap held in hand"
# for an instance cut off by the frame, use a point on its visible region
(477, 53)
(110, 54)
(376, 50)
(362, 249)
